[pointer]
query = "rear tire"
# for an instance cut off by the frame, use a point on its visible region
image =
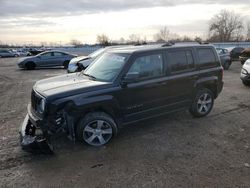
(202, 103)
(246, 83)
(30, 66)
(96, 129)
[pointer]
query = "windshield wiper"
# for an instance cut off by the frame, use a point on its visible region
(88, 75)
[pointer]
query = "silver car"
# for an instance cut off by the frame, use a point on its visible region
(7, 53)
(82, 62)
(46, 59)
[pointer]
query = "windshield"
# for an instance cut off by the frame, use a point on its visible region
(96, 53)
(107, 66)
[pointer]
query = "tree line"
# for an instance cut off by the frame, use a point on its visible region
(226, 26)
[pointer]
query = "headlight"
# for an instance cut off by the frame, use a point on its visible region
(247, 62)
(243, 71)
(41, 106)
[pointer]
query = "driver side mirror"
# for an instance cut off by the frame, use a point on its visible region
(130, 78)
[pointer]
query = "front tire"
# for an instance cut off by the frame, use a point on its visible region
(202, 103)
(96, 129)
(30, 66)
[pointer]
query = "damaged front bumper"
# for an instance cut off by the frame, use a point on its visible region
(32, 138)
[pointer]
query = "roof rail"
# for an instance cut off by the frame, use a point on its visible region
(203, 42)
(167, 44)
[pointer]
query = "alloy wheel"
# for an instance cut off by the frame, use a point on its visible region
(97, 133)
(204, 103)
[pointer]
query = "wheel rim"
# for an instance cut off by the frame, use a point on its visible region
(204, 103)
(97, 133)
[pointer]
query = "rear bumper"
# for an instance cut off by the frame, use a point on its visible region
(220, 87)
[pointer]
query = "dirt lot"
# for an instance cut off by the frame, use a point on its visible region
(172, 151)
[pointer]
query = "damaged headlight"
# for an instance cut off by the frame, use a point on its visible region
(41, 106)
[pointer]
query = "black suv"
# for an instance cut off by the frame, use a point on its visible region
(121, 87)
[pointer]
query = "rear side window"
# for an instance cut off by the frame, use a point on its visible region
(206, 56)
(59, 54)
(180, 60)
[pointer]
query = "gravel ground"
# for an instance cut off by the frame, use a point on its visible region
(172, 151)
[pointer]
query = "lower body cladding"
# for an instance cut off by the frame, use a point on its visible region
(35, 134)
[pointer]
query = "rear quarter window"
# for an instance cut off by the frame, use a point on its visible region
(207, 57)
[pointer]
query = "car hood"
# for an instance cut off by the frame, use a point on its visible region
(68, 85)
(25, 59)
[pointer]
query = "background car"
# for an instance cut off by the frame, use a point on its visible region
(23, 52)
(34, 51)
(235, 52)
(245, 55)
(82, 62)
(7, 53)
(46, 59)
(224, 58)
(245, 73)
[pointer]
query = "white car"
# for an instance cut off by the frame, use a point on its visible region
(82, 62)
(245, 73)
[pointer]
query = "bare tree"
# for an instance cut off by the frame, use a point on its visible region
(248, 31)
(43, 44)
(163, 35)
(75, 42)
(134, 39)
(186, 38)
(198, 39)
(226, 26)
(103, 39)
(121, 40)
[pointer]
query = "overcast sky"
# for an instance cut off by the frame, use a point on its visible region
(33, 21)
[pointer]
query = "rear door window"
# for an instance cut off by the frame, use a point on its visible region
(180, 61)
(148, 66)
(58, 54)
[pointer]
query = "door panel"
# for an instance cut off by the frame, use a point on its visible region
(138, 99)
(45, 59)
(182, 74)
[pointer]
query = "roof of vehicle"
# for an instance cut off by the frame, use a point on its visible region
(54, 51)
(145, 48)
(231, 48)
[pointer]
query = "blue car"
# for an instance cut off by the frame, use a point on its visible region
(46, 59)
